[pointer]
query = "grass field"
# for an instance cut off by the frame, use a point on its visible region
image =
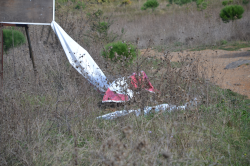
(50, 119)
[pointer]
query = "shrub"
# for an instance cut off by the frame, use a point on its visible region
(150, 4)
(201, 4)
(245, 2)
(18, 37)
(223, 42)
(224, 3)
(231, 13)
(103, 27)
(126, 2)
(117, 50)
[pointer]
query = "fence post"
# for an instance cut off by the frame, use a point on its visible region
(1, 61)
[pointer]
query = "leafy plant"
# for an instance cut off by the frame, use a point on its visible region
(231, 13)
(12, 38)
(150, 4)
(117, 50)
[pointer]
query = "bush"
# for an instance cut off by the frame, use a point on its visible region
(231, 13)
(201, 4)
(245, 2)
(103, 27)
(150, 4)
(18, 37)
(117, 50)
(223, 42)
(224, 3)
(126, 2)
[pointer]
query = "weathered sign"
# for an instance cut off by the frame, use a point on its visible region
(27, 11)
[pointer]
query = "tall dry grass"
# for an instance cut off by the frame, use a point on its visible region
(51, 119)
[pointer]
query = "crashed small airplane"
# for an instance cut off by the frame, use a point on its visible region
(120, 90)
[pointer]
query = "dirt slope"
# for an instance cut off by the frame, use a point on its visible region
(237, 79)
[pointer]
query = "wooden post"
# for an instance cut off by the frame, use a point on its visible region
(1, 60)
(30, 49)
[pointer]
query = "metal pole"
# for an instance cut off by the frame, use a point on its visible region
(30, 49)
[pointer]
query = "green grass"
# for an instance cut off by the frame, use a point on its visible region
(12, 38)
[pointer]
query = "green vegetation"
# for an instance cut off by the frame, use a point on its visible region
(98, 29)
(12, 38)
(118, 50)
(225, 3)
(80, 5)
(150, 4)
(201, 4)
(102, 27)
(223, 42)
(180, 2)
(231, 13)
(245, 2)
(224, 45)
(126, 2)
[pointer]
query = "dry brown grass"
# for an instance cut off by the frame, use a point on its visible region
(51, 119)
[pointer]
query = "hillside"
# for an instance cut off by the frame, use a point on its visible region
(191, 58)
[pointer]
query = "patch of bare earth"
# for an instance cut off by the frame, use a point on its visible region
(214, 62)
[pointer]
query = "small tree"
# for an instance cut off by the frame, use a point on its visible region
(231, 13)
(150, 4)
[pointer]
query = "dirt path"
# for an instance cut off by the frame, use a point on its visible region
(237, 79)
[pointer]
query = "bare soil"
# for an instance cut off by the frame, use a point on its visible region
(236, 79)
